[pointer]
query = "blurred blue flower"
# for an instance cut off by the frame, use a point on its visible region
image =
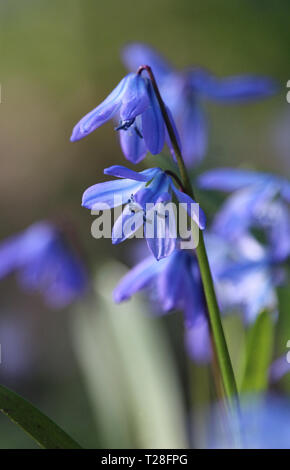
(245, 275)
(173, 283)
(137, 191)
(45, 262)
(185, 91)
(263, 422)
(260, 201)
(141, 125)
(279, 368)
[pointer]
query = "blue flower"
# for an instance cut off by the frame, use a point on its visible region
(185, 92)
(46, 263)
(260, 200)
(245, 274)
(137, 191)
(141, 125)
(175, 282)
(263, 420)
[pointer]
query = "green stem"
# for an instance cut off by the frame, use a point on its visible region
(224, 361)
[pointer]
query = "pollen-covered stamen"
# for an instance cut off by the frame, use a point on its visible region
(124, 125)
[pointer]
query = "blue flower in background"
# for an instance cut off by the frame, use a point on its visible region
(46, 263)
(264, 421)
(141, 125)
(246, 275)
(137, 191)
(260, 200)
(185, 92)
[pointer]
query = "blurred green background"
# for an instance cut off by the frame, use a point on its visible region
(59, 59)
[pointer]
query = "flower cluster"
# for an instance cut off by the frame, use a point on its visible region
(245, 272)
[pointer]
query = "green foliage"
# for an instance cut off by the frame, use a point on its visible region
(258, 354)
(41, 428)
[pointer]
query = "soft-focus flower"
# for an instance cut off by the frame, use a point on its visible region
(260, 201)
(185, 91)
(263, 423)
(279, 368)
(137, 191)
(45, 262)
(173, 283)
(141, 125)
(245, 274)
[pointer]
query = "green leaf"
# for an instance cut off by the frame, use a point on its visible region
(258, 354)
(41, 428)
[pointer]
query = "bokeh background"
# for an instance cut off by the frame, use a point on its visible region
(100, 371)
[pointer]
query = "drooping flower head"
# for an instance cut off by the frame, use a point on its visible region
(45, 262)
(142, 193)
(175, 284)
(185, 91)
(140, 123)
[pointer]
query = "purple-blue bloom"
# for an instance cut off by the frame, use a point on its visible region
(174, 282)
(246, 275)
(137, 191)
(185, 91)
(45, 262)
(260, 200)
(141, 126)
(263, 422)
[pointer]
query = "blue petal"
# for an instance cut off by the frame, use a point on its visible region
(238, 88)
(197, 341)
(135, 98)
(102, 113)
(138, 278)
(242, 209)
(153, 128)
(194, 133)
(127, 224)
(20, 249)
(121, 171)
(194, 302)
(132, 145)
(171, 281)
(200, 218)
(160, 184)
(110, 194)
(136, 54)
(279, 231)
(163, 241)
(230, 179)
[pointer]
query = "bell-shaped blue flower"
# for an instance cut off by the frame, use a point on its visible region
(140, 123)
(175, 282)
(142, 193)
(45, 262)
(186, 91)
